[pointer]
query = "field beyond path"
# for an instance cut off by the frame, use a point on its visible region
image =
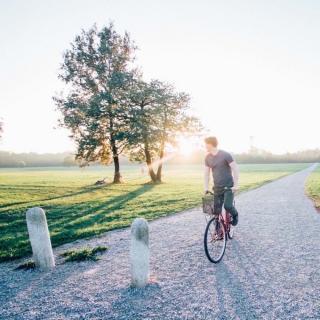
(76, 209)
(270, 270)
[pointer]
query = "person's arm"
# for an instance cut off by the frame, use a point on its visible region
(206, 178)
(235, 174)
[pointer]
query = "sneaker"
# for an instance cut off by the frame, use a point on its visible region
(234, 221)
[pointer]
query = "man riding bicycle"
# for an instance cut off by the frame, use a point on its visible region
(225, 174)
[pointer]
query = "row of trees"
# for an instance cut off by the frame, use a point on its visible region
(255, 157)
(9, 159)
(111, 110)
(261, 156)
(32, 159)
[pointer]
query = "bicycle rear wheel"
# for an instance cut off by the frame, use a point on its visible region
(215, 240)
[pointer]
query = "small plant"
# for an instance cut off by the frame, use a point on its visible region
(83, 254)
(99, 249)
(27, 265)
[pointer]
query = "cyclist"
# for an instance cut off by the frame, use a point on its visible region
(225, 174)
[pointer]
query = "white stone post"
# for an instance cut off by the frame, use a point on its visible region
(40, 239)
(139, 253)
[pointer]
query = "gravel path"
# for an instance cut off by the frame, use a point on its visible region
(271, 269)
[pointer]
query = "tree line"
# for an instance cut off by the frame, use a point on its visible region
(258, 157)
(110, 109)
(67, 159)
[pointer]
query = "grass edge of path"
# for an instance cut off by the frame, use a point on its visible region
(312, 194)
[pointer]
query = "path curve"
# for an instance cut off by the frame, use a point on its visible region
(269, 272)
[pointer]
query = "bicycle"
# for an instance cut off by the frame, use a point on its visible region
(218, 230)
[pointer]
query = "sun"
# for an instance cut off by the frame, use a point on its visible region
(186, 146)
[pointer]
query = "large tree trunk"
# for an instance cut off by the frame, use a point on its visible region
(117, 175)
(152, 174)
(161, 153)
(159, 171)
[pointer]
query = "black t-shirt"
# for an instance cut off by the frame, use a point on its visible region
(221, 171)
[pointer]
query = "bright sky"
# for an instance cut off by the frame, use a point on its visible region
(251, 67)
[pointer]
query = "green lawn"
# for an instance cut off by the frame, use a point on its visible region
(77, 209)
(313, 187)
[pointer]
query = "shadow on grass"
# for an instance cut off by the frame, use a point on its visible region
(13, 216)
(87, 189)
(68, 223)
(80, 216)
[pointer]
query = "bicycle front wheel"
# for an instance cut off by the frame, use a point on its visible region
(215, 240)
(230, 227)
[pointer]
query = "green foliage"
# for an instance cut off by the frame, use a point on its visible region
(28, 265)
(109, 108)
(313, 187)
(97, 70)
(157, 115)
(76, 209)
(83, 254)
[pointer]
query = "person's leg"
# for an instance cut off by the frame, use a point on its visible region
(228, 205)
(218, 202)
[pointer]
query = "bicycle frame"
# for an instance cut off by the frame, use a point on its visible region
(224, 220)
(224, 216)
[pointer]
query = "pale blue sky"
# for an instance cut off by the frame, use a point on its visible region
(251, 67)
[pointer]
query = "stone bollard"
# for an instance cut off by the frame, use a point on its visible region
(40, 239)
(139, 253)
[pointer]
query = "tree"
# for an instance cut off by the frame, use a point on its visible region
(97, 70)
(142, 97)
(173, 119)
(156, 116)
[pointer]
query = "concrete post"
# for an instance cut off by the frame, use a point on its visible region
(139, 253)
(40, 239)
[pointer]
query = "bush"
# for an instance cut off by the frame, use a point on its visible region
(28, 265)
(83, 254)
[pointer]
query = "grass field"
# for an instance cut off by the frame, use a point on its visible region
(77, 209)
(313, 187)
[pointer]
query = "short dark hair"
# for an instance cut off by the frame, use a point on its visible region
(211, 140)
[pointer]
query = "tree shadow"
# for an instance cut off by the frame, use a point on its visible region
(227, 283)
(91, 214)
(68, 223)
(87, 189)
(137, 300)
(34, 289)
(251, 268)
